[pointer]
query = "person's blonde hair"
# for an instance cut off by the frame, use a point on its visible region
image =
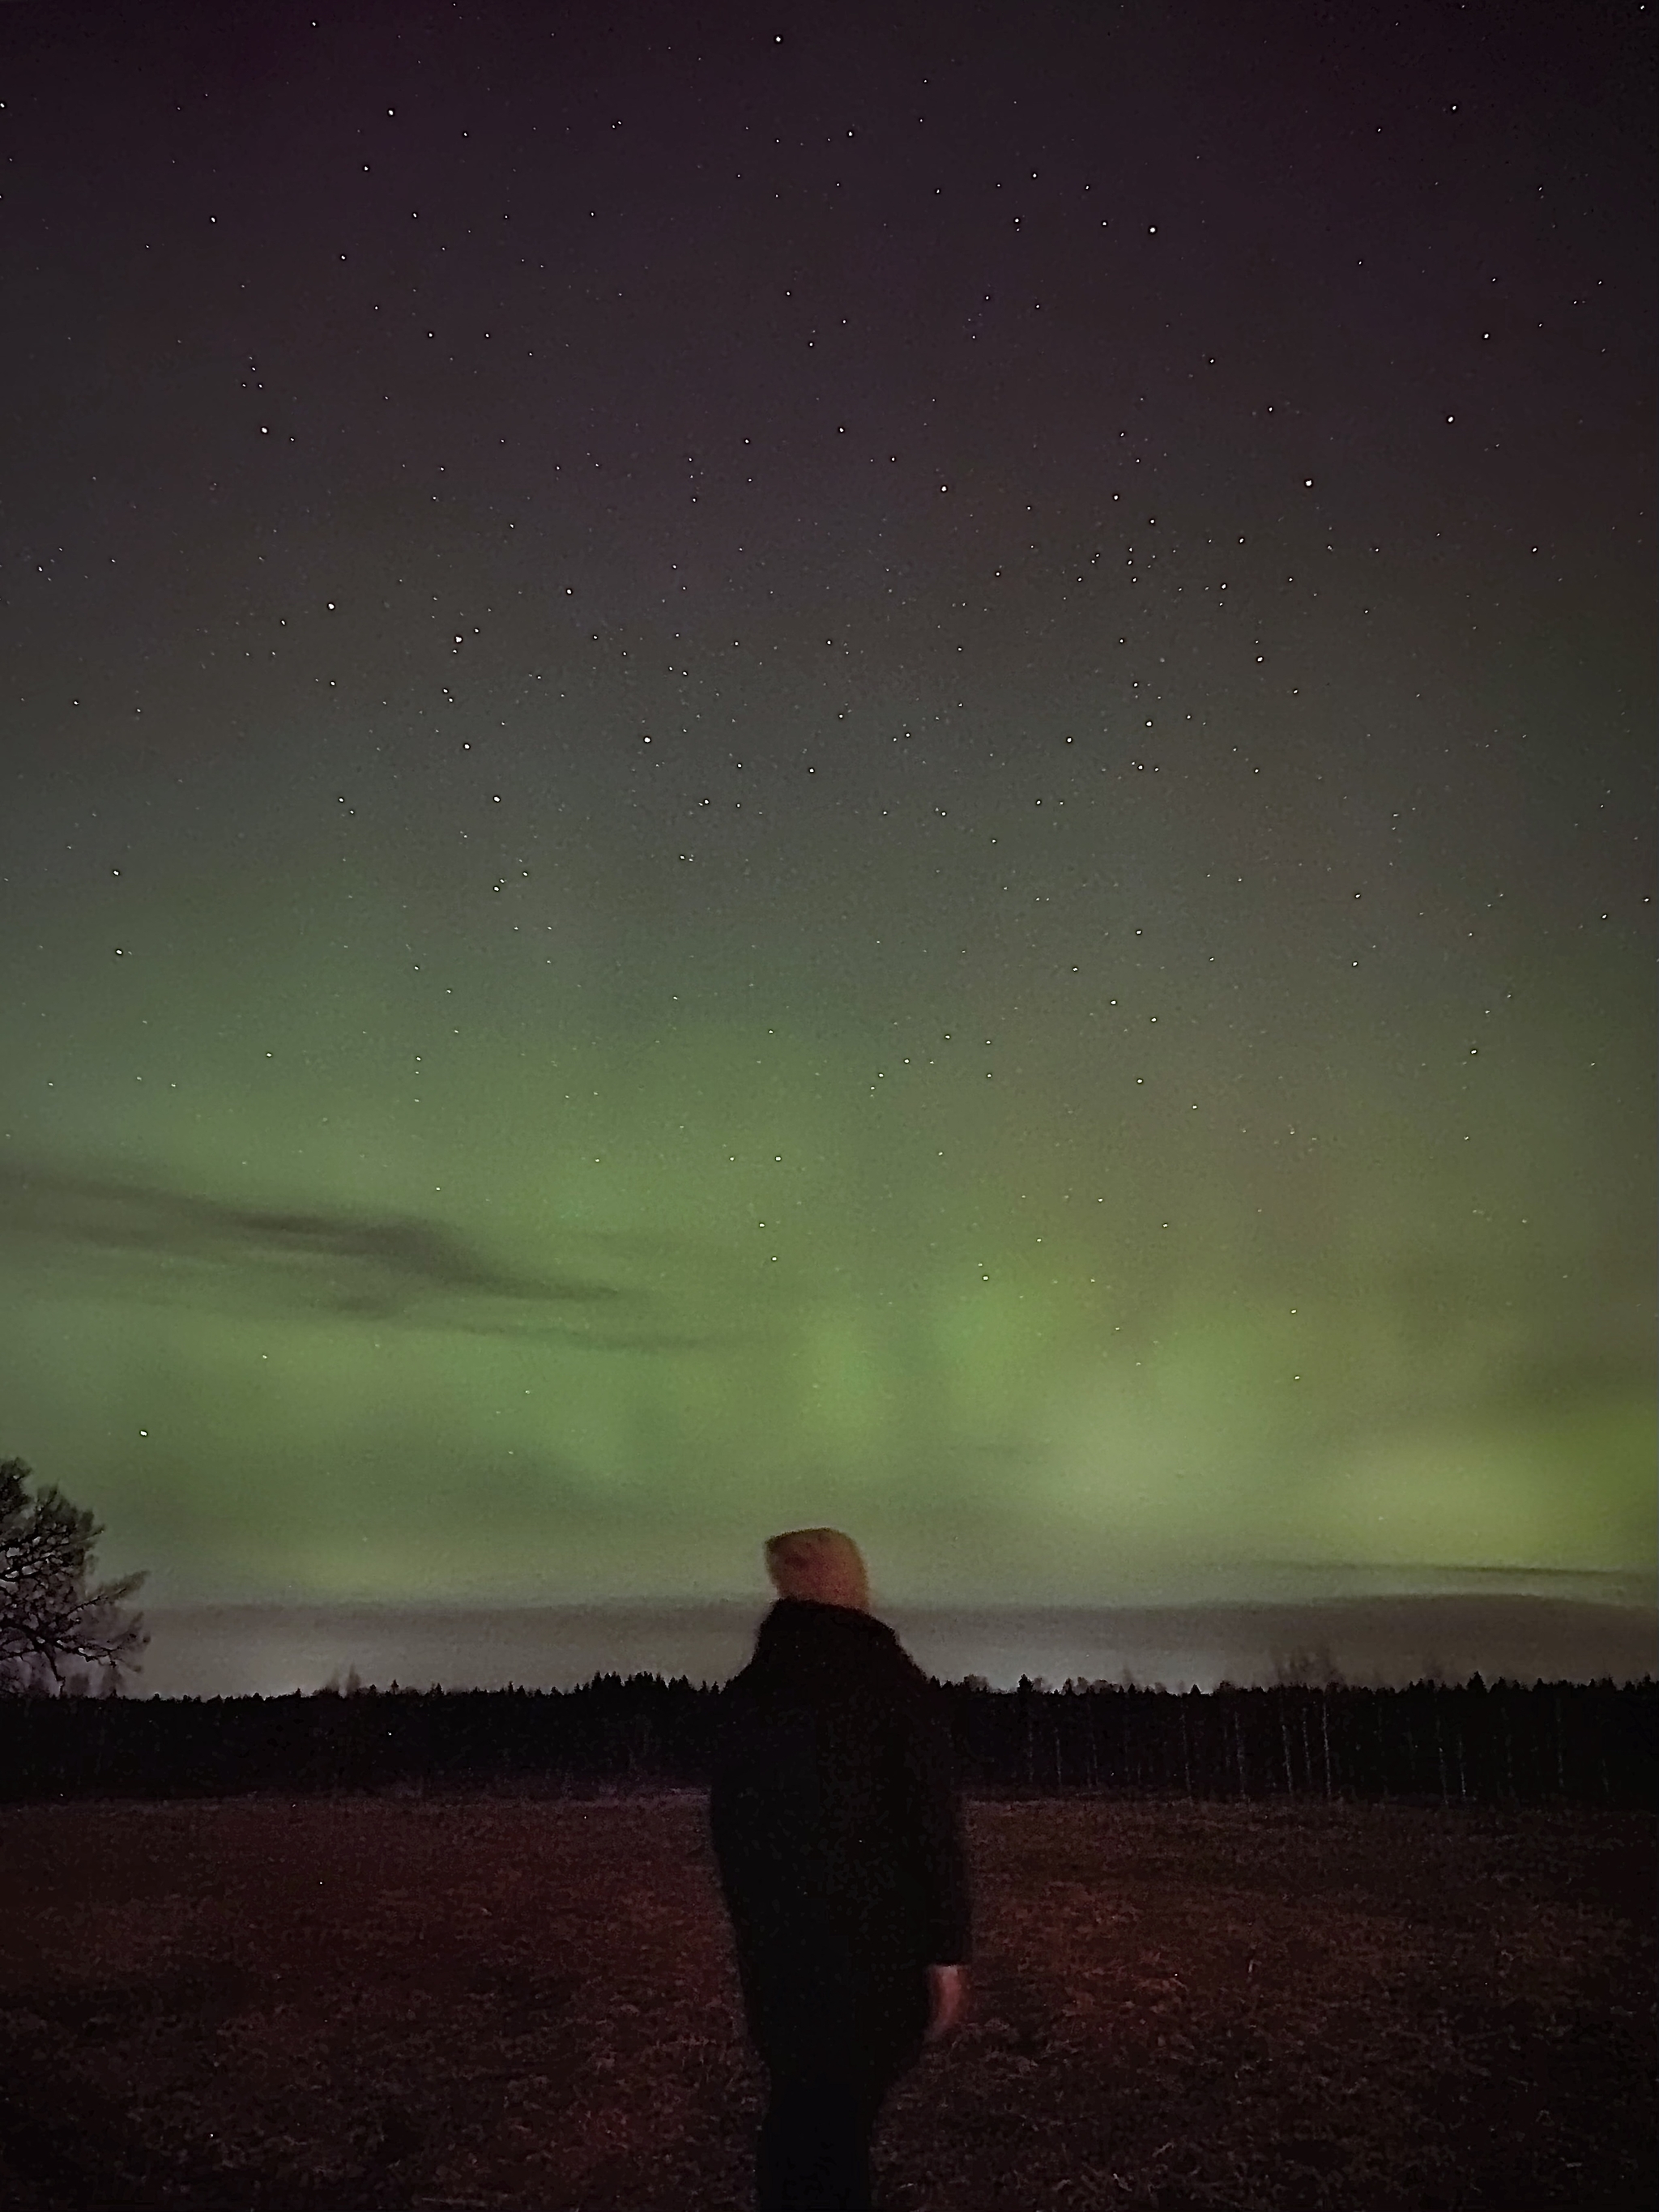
(819, 1563)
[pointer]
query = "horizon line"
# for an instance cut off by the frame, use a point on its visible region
(1628, 1588)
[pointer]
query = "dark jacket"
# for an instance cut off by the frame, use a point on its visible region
(837, 1827)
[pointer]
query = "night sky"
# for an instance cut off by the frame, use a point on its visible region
(886, 766)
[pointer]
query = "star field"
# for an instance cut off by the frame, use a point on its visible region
(889, 769)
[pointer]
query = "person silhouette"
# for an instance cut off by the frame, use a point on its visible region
(837, 1828)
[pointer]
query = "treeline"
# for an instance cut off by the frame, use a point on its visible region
(1553, 1743)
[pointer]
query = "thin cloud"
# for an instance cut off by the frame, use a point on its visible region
(156, 1244)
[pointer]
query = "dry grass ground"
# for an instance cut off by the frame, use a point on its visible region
(322, 2006)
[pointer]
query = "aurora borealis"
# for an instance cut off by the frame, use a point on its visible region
(887, 767)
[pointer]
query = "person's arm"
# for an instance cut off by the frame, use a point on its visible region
(932, 1813)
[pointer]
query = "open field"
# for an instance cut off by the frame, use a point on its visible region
(326, 2005)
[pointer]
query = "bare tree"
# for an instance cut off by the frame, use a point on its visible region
(49, 1618)
(1306, 1669)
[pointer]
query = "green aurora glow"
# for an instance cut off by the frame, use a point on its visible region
(1041, 1292)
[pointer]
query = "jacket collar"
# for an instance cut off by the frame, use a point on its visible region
(797, 1622)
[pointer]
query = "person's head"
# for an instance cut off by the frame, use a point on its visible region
(820, 1563)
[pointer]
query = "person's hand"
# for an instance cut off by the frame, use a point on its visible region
(949, 1988)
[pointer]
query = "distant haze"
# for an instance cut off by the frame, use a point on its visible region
(231, 1650)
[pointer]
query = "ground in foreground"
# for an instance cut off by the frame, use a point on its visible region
(337, 2006)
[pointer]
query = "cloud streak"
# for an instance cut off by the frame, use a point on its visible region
(155, 1244)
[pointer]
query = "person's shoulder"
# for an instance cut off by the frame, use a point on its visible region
(905, 1679)
(894, 1653)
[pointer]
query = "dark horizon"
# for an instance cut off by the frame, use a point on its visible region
(1375, 1639)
